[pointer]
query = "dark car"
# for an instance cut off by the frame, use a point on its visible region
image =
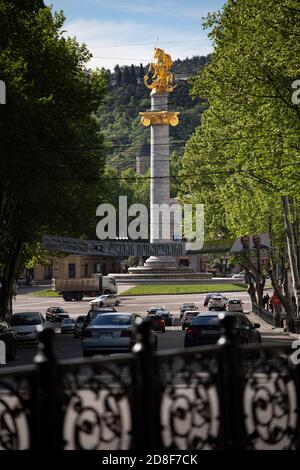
(94, 312)
(209, 296)
(56, 314)
(167, 317)
(157, 323)
(206, 329)
(8, 336)
(187, 306)
(79, 326)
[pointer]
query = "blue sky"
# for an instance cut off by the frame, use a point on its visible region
(126, 32)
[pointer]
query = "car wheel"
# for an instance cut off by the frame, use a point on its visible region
(100, 304)
(11, 354)
(183, 327)
(117, 303)
(210, 309)
(87, 353)
(78, 296)
(67, 296)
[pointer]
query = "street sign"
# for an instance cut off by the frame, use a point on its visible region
(112, 248)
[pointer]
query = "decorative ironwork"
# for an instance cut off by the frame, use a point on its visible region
(15, 413)
(189, 406)
(270, 402)
(97, 411)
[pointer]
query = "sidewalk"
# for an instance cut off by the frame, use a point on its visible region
(267, 328)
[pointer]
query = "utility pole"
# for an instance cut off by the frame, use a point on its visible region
(292, 253)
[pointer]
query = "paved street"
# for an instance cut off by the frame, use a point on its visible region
(66, 346)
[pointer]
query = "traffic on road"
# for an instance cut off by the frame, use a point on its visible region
(177, 321)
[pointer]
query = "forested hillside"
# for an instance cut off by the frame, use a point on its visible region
(127, 95)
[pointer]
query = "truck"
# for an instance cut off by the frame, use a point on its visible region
(84, 287)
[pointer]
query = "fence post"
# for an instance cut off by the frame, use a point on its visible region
(231, 381)
(48, 423)
(146, 412)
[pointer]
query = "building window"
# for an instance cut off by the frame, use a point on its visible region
(48, 272)
(97, 268)
(86, 270)
(72, 270)
(184, 262)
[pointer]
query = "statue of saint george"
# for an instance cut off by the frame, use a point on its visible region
(159, 73)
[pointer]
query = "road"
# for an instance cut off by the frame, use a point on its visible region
(66, 346)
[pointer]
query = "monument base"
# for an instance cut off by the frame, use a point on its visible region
(159, 264)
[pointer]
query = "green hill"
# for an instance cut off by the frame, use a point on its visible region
(127, 95)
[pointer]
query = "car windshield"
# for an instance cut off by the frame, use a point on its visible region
(25, 319)
(188, 306)
(206, 320)
(234, 301)
(68, 320)
(111, 320)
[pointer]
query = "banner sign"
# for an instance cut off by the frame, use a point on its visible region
(112, 248)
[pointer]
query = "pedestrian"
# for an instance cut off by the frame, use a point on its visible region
(275, 305)
(266, 300)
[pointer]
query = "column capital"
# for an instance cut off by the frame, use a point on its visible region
(159, 118)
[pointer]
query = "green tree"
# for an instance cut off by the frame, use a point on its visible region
(245, 153)
(52, 152)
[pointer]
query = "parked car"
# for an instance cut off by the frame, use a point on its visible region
(153, 310)
(79, 326)
(112, 332)
(209, 296)
(8, 336)
(25, 325)
(240, 276)
(217, 302)
(56, 314)
(157, 322)
(206, 329)
(234, 305)
(94, 312)
(187, 318)
(188, 306)
(105, 301)
(167, 316)
(67, 325)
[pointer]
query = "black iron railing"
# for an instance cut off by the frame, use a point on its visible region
(226, 396)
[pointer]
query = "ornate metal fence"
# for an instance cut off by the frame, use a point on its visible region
(220, 397)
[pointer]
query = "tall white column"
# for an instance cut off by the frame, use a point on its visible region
(160, 182)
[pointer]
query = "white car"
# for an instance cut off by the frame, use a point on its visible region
(107, 300)
(240, 276)
(25, 325)
(234, 305)
(217, 302)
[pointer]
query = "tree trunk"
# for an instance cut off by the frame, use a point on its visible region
(252, 293)
(10, 269)
(292, 253)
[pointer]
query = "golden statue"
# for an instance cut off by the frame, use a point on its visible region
(161, 76)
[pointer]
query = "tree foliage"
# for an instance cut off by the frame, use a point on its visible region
(46, 131)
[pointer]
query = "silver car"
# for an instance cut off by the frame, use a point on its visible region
(111, 332)
(67, 325)
(25, 325)
(217, 302)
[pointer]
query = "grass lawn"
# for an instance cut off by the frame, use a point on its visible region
(152, 289)
(45, 293)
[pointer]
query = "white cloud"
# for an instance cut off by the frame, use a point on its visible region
(130, 42)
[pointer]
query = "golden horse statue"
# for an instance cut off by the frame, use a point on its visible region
(161, 76)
